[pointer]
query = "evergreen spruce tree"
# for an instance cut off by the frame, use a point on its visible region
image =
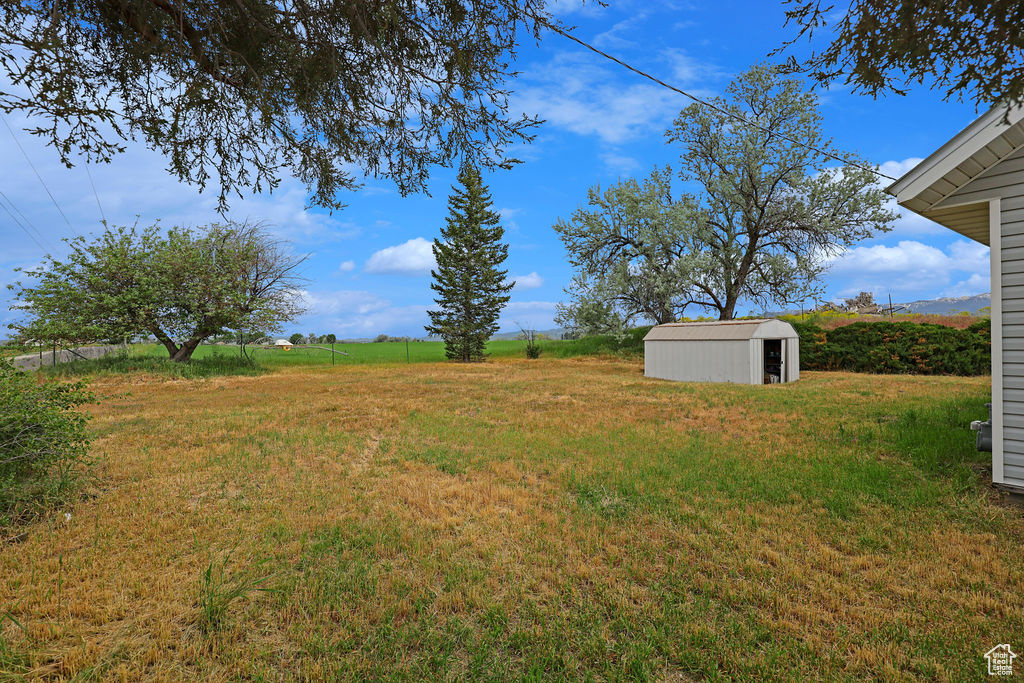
(471, 290)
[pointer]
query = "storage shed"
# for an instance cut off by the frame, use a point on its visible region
(764, 351)
(974, 185)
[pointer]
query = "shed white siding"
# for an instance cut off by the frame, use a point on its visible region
(700, 361)
(1004, 183)
(731, 351)
(792, 352)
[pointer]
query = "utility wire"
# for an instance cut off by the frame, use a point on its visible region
(25, 154)
(94, 193)
(745, 121)
(18, 223)
(26, 220)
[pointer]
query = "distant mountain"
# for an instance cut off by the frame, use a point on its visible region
(949, 305)
(555, 333)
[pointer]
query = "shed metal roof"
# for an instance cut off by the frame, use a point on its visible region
(761, 328)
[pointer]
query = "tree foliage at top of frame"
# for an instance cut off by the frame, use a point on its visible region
(967, 48)
(241, 92)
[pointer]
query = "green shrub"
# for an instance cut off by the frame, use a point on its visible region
(43, 442)
(896, 347)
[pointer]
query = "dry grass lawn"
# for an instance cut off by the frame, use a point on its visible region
(514, 519)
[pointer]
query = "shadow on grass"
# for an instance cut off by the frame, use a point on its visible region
(209, 366)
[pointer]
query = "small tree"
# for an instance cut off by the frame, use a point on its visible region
(531, 337)
(331, 339)
(471, 289)
(182, 286)
(295, 338)
(43, 441)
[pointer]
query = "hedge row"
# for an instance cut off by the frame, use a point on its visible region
(897, 347)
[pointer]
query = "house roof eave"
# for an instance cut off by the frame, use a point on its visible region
(960, 148)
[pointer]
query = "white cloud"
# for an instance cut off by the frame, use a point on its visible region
(507, 218)
(347, 266)
(898, 169)
(588, 8)
(970, 256)
(575, 93)
(613, 37)
(619, 162)
(911, 268)
(907, 223)
(415, 257)
(975, 284)
(531, 306)
(529, 281)
(343, 302)
(536, 315)
(397, 320)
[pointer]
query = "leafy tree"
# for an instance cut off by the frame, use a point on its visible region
(295, 338)
(963, 46)
(769, 213)
(241, 91)
(471, 290)
(180, 285)
(330, 339)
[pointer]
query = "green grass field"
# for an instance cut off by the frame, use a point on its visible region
(212, 360)
(358, 354)
(520, 520)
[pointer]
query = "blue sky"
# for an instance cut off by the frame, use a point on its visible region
(369, 263)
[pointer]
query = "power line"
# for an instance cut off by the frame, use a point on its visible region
(18, 223)
(25, 218)
(25, 154)
(745, 121)
(94, 193)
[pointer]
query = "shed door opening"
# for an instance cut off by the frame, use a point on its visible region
(773, 361)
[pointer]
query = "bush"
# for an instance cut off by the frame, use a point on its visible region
(43, 442)
(896, 347)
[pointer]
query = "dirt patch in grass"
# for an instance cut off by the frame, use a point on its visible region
(522, 519)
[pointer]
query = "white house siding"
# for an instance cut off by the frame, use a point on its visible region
(699, 361)
(1005, 181)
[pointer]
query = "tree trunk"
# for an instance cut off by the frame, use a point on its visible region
(168, 343)
(728, 312)
(186, 350)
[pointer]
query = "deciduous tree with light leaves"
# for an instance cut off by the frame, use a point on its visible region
(767, 206)
(180, 285)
